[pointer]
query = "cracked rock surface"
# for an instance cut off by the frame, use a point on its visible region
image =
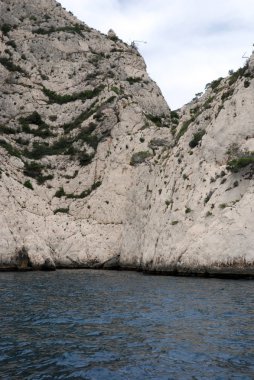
(97, 171)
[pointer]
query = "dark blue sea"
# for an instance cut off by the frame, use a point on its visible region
(82, 324)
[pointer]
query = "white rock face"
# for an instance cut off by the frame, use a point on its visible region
(95, 168)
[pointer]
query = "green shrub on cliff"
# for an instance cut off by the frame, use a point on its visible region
(196, 138)
(139, 157)
(60, 192)
(236, 164)
(10, 149)
(66, 98)
(238, 159)
(184, 128)
(28, 184)
(6, 28)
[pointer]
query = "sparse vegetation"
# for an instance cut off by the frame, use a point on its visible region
(53, 117)
(86, 136)
(114, 38)
(6, 28)
(67, 98)
(10, 66)
(85, 193)
(238, 159)
(28, 184)
(62, 210)
(133, 80)
(43, 178)
(76, 123)
(65, 145)
(227, 94)
(184, 128)
(139, 157)
(175, 121)
(111, 99)
(22, 141)
(39, 150)
(208, 102)
(85, 159)
(155, 143)
(11, 43)
(74, 175)
(77, 28)
(60, 192)
(220, 107)
(194, 112)
(157, 120)
(196, 138)
(174, 115)
(34, 118)
(241, 72)
(33, 169)
(43, 129)
(208, 197)
(214, 84)
(116, 90)
(240, 162)
(7, 130)
(10, 149)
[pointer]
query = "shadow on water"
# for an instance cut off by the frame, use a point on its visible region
(123, 325)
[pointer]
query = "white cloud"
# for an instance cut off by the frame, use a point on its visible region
(189, 42)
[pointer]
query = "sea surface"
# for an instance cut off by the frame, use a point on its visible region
(82, 324)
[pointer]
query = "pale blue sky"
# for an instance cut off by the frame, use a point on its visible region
(189, 42)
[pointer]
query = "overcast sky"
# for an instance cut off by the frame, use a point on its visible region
(189, 42)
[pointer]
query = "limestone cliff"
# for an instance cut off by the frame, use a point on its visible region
(96, 171)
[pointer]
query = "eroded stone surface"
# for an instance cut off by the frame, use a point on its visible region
(117, 178)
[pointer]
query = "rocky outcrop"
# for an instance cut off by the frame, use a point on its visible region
(96, 171)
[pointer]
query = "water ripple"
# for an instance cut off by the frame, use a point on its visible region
(123, 325)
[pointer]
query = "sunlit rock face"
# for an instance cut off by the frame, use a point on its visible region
(96, 171)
